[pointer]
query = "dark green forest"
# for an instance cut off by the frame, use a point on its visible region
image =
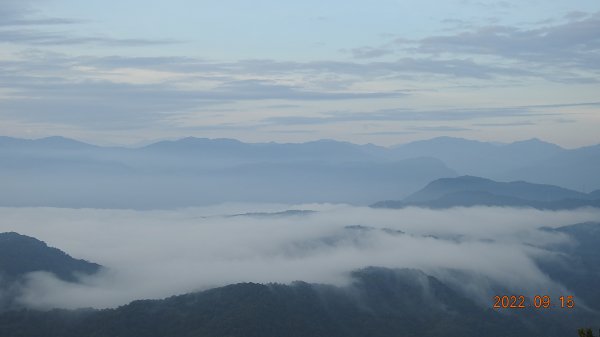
(380, 302)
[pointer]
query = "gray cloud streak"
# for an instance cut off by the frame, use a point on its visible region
(110, 104)
(36, 22)
(409, 115)
(459, 68)
(36, 37)
(370, 52)
(575, 43)
(20, 24)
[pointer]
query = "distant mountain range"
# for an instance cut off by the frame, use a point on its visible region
(190, 172)
(469, 191)
(531, 160)
(61, 172)
(480, 158)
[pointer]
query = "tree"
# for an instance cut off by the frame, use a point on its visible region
(585, 332)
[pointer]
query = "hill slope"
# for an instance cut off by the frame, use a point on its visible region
(578, 264)
(20, 254)
(380, 302)
(473, 191)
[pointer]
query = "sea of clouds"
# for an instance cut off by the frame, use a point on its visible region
(156, 254)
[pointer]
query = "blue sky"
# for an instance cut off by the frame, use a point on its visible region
(384, 72)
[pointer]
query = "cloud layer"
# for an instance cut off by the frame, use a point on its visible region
(155, 254)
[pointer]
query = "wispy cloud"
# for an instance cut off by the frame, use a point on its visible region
(36, 37)
(105, 103)
(22, 24)
(523, 123)
(442, 128)
(385, 133)
(455, 68)
(450, 114)
(575, 43)
(8, 21)
(22, 13)
(370, 52)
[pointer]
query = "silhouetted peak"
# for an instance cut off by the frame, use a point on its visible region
(19, 238)
(21, 254)
(60, 141)
(444, 140)
(468, 178)
(534, 142)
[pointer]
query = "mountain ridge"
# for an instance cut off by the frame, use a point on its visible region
(468, 191)
(186, 170)
(21, 254)
(379, 302)
(191, 139)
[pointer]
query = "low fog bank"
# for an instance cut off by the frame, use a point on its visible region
(155, 254)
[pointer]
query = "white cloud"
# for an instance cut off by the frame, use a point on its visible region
(155, 254)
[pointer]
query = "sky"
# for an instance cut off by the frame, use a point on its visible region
(383, 71)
